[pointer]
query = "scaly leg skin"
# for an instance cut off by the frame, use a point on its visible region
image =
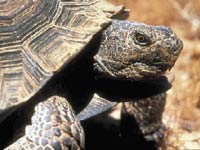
(54, 126)
(146, 114)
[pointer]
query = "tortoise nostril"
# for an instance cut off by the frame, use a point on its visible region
(178, 46)
(179, 42)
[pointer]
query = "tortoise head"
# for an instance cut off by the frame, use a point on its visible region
(136, 51)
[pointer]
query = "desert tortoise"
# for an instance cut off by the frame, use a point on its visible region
(41, 38)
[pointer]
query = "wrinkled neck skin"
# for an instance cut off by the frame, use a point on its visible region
(136, 51)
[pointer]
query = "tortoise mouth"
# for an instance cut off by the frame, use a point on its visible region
(137, 71)
(115, 89)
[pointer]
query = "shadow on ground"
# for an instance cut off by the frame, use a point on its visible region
(103, 135)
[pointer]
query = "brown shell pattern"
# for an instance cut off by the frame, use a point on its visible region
(38, 37)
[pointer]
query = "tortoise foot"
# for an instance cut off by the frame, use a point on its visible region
(54, 126)
(144, 117)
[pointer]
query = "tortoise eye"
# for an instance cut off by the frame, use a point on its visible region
(142, 39)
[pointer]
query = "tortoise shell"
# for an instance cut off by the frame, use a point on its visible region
(39, 37)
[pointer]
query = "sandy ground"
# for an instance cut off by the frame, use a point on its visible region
(182, 110)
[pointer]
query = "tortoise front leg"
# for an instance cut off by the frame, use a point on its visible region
(54, 126)
(145, 115)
